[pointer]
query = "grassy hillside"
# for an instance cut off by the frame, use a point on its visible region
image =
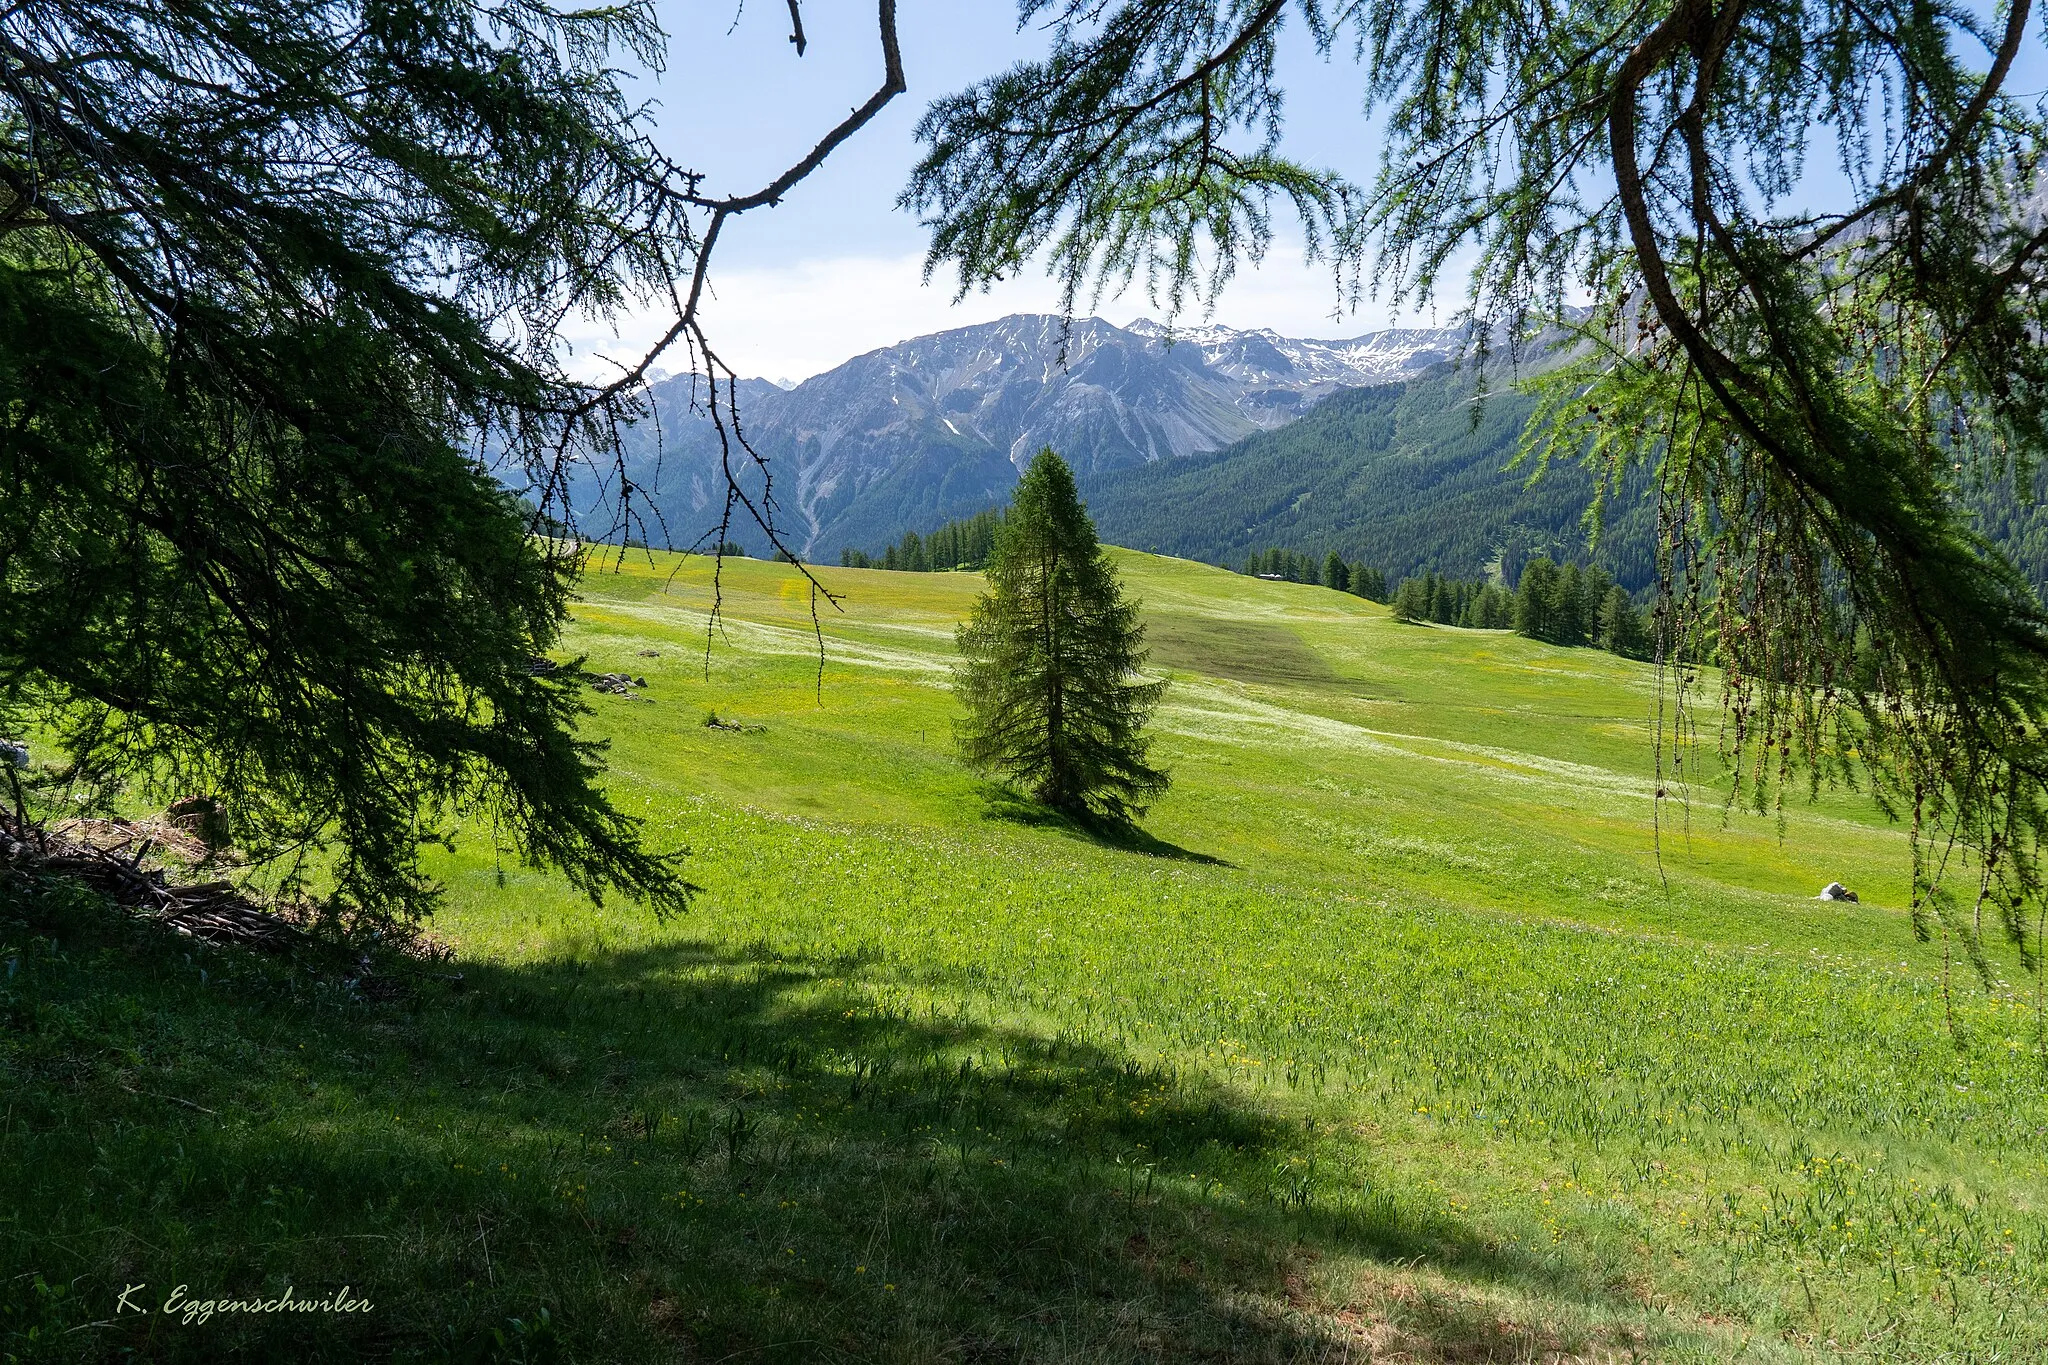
(1410, 1030)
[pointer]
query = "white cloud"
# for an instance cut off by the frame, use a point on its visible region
(794, 321)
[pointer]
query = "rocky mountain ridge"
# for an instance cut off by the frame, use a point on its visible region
(938, 426)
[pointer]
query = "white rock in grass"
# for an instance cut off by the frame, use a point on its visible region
(1835, 891)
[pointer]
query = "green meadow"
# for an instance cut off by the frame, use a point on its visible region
(1413, 1027)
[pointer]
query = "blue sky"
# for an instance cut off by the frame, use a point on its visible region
(834, 270)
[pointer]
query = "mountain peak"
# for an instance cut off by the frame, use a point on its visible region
(906, 436)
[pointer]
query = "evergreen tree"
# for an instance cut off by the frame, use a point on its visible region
(1048, 660)
(1369, 583)
(1489, 609)
(1593, 585)
(1336, 574)
(942, 547)
(910, 554)
(1568, 608)
(1535, 598)
(1411, 600)
(980, 536)
(1499, 611)
(1621, 626)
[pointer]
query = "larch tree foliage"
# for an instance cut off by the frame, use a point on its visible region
(285, 424)
(1050, 661)
(1810, 391)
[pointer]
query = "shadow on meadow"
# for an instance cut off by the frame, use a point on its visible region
(1009, 806)
(673, 1152)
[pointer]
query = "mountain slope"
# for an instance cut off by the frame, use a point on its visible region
(1210, 448)
(1406, 477)
(910, 435)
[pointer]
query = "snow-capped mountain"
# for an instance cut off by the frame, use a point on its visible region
(1263, 356)
(905, 437)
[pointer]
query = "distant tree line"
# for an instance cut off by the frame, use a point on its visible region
(1565, 604)
(1575, 606)
(1479, 604)
(962, 544)
(1560, 605)
(1331, 571)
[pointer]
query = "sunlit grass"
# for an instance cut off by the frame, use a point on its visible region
(1414, 1024)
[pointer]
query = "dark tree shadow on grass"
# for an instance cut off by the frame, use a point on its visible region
(1009, 806)
(673, 1152)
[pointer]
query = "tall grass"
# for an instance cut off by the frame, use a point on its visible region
(1409, 1026)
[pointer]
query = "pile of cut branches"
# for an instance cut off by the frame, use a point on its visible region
(370, 956)
(108, 856)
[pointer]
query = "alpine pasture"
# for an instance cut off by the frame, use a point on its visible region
(1412, 1027)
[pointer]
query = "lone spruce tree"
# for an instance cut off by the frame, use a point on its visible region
(1049, 658)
